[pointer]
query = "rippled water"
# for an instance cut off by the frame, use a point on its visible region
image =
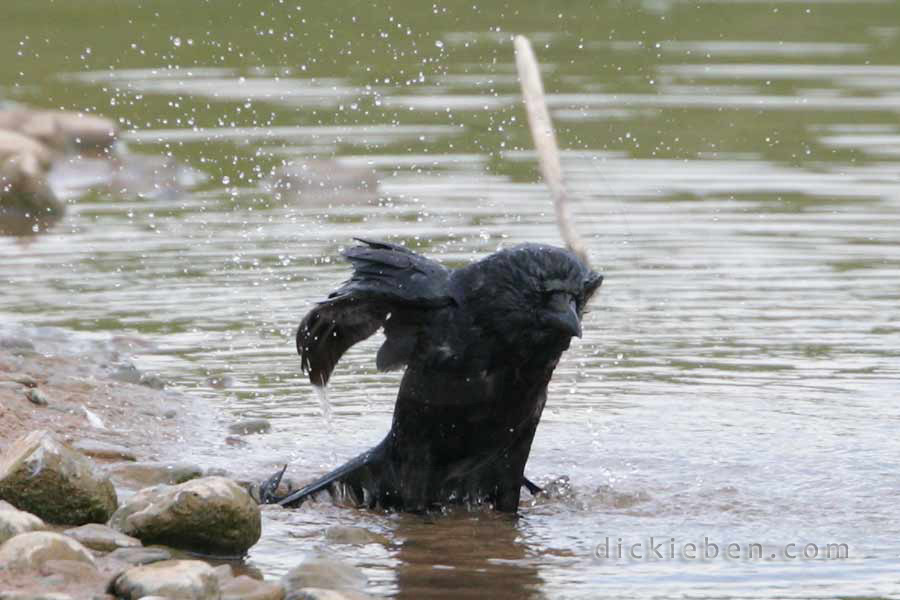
(736, 170)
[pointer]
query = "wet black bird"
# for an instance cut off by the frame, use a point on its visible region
(479, 345)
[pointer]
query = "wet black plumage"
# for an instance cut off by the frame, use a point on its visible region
(479, 345)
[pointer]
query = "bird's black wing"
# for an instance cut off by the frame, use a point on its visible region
(392, 287)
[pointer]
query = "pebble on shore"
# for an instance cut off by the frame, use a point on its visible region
(210, 515)
(29, 551)
(186, 579)
(14, 521)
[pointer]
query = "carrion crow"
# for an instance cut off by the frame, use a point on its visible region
(479, 345)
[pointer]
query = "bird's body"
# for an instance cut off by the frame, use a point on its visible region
(479, 345)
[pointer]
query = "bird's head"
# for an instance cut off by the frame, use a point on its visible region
(530, 294)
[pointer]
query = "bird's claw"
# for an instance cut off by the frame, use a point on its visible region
(268, 488)
(533, 488)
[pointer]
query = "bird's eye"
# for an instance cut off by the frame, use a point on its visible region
(556, 295)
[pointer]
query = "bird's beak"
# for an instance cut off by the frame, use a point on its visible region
(562, 314)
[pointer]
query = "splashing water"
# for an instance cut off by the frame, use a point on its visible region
(322, 393)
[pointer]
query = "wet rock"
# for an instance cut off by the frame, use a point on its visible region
(15, 144)
(127, 175)
(247, 588)
(249, 426)
(317, 571)
(37, 397)
(98, 449)
(128, 373)
(69, 572)
(152, 380)
(220, 382)
(86, 131)
(30, 551)
(14, 521)
(61, 130)
(139, 556)
(12, 343)
(173, 579)
(341, 534)
(323, 180)
(145, 474)
(235, 441)
(59, 485)
(27, 202)
(102, 538)
(211, 515)
(223, 573)
(125, 373)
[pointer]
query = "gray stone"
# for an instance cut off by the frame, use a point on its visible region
(173, 579)
(144, 474)
(151, 380)
(30, 551)
(102, 538)
(85, 131)
(70, 571)
(128, 373)
(317, 571)
(24, 378)
(318, 180)
(61, 130)
(247, 588)
(14, 521)
(139, 556)
(44, 477)
(342, 534)
(248, 426)
(36, 396)
(223, 573)
(27, 202)
(125, 373)
(211, 515)
(98, 449)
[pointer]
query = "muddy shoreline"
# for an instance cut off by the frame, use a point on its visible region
(91, 394)
(65, 387)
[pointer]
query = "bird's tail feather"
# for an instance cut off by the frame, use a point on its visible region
(349, 470)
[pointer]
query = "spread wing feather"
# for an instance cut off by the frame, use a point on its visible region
(392, 287)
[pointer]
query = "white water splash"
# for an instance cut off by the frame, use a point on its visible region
(322, 393)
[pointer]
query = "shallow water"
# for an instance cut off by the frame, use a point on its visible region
(736, 170)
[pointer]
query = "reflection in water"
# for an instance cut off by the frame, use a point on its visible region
(463, 555)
